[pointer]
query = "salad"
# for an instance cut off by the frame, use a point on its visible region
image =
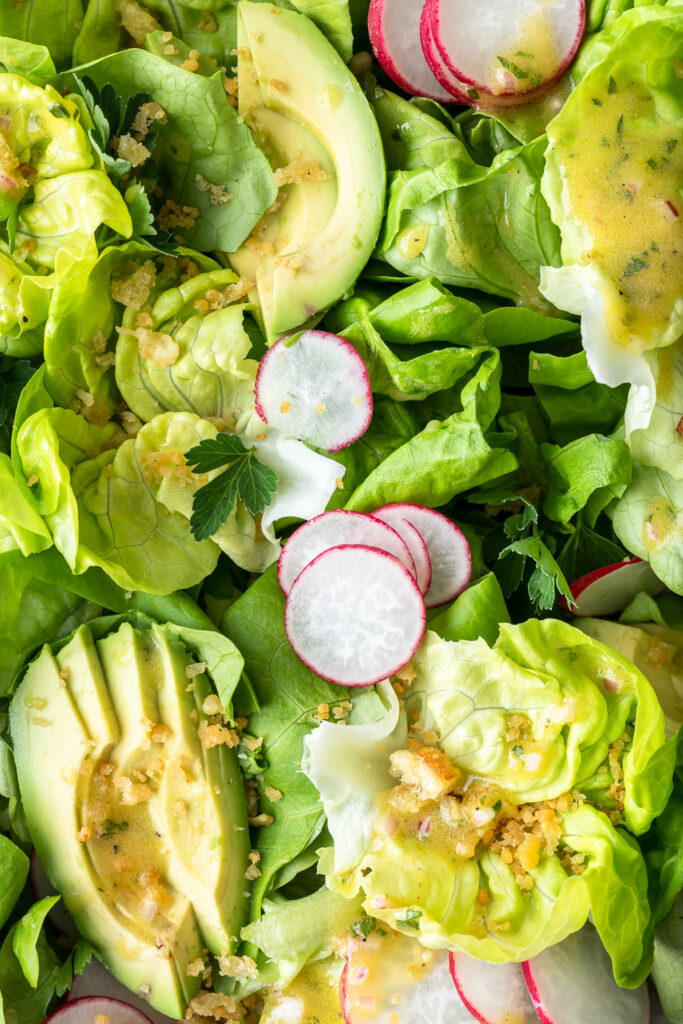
(341, 511)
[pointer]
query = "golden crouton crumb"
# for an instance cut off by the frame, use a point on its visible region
(340, 483)
(106, 360)
(252, 871)
(65, 672)
(253, 743)
(171, 215)
(171, 51)
(273, 794)
(155, 346)
(483, 897)
(131, 286)
(240, 967)
(261, 820)
(427, 770)
(323, 713)
(197, 668)
(106, 768)
(136, 20)
(219, 193)
(299, 171)
(160, 733)
(132, 793)
(194, 969)
(207, 22)
(127, 148)
(214, 1005)
(214, 735)
(146, 116)
(212, 705)
(192, 61)
(84, 835)
(342, 710)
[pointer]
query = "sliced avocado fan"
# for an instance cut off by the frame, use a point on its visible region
(309, 115)
(141, 826)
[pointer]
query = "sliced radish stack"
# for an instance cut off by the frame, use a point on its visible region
(573, 981)
(41, 886)
(331, 529)
(97, 981)
(611, 589)
(501, 52)
(448, 81)
(86, 1011)
(355, 615)
(414, 542)
(448, 548)
(493, 993)
(398, 980)
(315, 387)
(394, 28)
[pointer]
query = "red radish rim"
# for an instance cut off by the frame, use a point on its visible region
(343, 343)
(455, 529)
(376, 33)
(466, 1003)
(440, 72)
(282, 564)
(411, 579)
(534, 993)
(581, 585)
(67, 1008)
(513, 97)
(427, 575)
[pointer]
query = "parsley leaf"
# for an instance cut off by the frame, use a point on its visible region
(510, 65)
(411, 920)
(245, 477)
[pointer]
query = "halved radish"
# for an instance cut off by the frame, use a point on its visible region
(97, 981)
(394, 28)
(506, 49)
(396, 979)
(494, 993)
(41, 886)
(314, 386)
(329, 530)
(86, 1011)
(414, 543)
(449, 551)
(355, 615)
(610, 589)
(573, 981)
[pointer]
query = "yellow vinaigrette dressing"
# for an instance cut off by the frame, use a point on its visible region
(532, 60)
(626, 195)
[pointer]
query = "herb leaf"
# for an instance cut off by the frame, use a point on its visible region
(245, 477)
(510, 65)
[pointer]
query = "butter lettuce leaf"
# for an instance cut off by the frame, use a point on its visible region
(52, 24)
(667, 970)
(31, 60)
(14, 865)
(648, 520)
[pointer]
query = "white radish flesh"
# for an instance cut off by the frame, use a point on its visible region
(331, 529)
(494, 993)
(414, 542)
(355, 615)
(86, 1011)
(506, 48)
(573, 981)
(315, 387)
(449, 551)
(610, 589)
(97, 981)
(396, 979)
(445, 78)
(394, 28)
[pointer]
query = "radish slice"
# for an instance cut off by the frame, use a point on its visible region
(507, 49)
(448, 81)
(395, 979)
(573, 981)
(41, 886)
(97, 981)
(86, 1011)
(331, 529)
(494, 993)
(355, 615)
(315, 387)
(394, 28)
(611, 589)
(449, 551)
(414, 543)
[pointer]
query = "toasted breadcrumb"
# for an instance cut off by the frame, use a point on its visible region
(196, 968)
(131, 286)
(192, 61)
(299, 171)
(240, 967)
(146, 116)
(323, 713)
(136, 20)
(132, 793)
(197, 668)
(127, 148)
(252, 871)
(261, 820)
(273, 794)
(215, 735)
(219, 193)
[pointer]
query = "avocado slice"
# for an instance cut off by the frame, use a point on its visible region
(138, 827)
(305, 108)
(53, 747)
(209, 787)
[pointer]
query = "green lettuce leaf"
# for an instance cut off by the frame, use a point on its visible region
(14, 866)
(438, 216)
(572, 400)
(667, 970)
(52, 24)
(21, 1002)
(31, 60)
(200, 141)
(478, 612)
(24, 298)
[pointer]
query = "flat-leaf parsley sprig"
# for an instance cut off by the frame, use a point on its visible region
(245, 477)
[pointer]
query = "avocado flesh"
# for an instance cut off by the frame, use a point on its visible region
(208, 785)
(287, 66)
(140, 888)
(52, 745)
